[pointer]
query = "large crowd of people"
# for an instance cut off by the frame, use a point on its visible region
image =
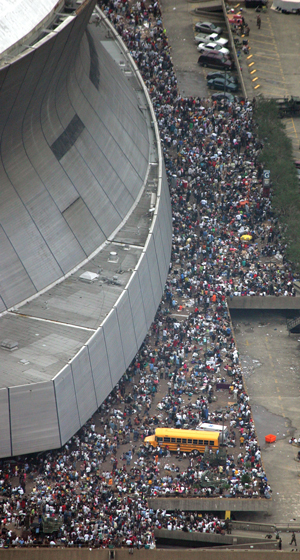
(226, 243)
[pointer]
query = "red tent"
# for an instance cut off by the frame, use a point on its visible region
(270, 438)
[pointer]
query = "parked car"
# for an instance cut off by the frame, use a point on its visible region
(212, 47)
(255, 3)
(215, 59)
(208, 27)
(226, 96)
(297, 165)
(229, 77)
(223, 84)
(212, 38)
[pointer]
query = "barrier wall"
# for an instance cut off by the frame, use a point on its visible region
(122, 554)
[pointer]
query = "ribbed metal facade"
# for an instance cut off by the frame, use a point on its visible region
(75, 153)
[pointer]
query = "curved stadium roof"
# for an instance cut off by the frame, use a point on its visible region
(85, 225)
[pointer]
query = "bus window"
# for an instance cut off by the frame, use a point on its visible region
(168, 437)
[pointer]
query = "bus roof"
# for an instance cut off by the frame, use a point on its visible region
(173, 432)
(207, 426)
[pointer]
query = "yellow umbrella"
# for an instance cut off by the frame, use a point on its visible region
(246, 237)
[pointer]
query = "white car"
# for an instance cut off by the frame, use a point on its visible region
(202, 47)
(213, 38)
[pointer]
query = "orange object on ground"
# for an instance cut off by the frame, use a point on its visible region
(270, 438)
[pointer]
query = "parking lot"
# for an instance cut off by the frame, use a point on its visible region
(272, 70)
(275, 50)
(179, 20)
(273, 62)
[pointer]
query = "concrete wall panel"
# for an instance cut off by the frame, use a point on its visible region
(34, 423)
(114, 347)
(67, 409)
(84, 385)
(5, 447)
(100, 366)
(154, 272)
(137, 308)
(127, 332)
(53, 179)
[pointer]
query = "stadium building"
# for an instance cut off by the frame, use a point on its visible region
(85, 218)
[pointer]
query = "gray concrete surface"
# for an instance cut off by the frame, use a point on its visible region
(270, 361)
(195, 538)
(211, 504)
(142, 554)
(267, 303)
(275, 51)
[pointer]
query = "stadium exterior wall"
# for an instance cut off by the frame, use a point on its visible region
(71, 84)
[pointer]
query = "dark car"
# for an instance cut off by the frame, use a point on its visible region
(215, 60)
(255, 3)
(223, 84)
(208, 27)
(229, 77)
(223, 96)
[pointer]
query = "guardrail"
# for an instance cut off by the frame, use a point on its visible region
(252, 526)
(292, 323)
(236, 60)
(288, 527)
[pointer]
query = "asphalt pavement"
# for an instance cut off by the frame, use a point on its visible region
(270, 361)
(270, 69)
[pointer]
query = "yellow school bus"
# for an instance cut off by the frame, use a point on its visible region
(187, 440)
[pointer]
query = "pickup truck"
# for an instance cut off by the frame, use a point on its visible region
(212, 38)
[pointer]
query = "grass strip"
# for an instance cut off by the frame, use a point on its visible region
(277, 156)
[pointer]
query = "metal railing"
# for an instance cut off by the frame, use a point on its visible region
(235, 56)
